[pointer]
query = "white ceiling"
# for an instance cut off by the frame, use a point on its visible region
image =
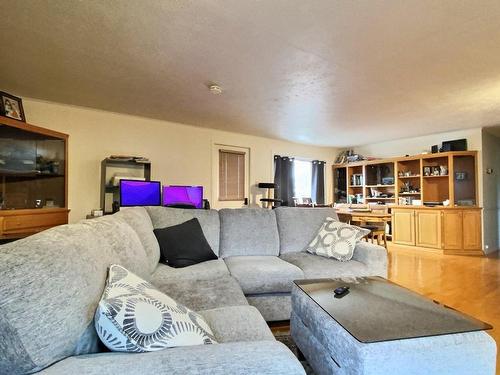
(323, 72)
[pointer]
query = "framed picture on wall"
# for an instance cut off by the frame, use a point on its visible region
(11, 106)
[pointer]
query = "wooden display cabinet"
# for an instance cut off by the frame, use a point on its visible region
(33, 178)
(431, 179)
(451, 230)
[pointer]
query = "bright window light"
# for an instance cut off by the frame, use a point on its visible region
(303, 177)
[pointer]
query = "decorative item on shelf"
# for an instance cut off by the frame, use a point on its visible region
(49, 203)
(137, 159)
(443, 170)
(11, 106)
(38, 203)
(387, 180)
(427, 171)
(95, 213)
(357, 180)
(446, 202)
(435, 171)
(348, 156)
(405, 174)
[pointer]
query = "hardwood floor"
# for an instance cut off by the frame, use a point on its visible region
(467, 283)
(470, 284)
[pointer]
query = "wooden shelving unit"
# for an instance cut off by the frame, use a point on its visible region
(456, 179)
(110, 192)
(430, 179)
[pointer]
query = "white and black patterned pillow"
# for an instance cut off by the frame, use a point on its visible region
(336, 240)
(133, 316)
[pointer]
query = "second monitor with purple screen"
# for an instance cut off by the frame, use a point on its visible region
(183, 195)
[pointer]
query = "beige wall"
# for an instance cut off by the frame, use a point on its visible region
(180, 154)
(417, 145)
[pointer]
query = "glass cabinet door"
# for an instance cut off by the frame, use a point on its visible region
(464, 180)
(32, 169)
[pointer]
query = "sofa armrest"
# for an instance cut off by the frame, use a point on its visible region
(373, 256)
(251, 358)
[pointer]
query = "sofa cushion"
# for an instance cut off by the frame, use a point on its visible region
(336, 240)
(263, 274)
(138, 218)
(204, 294)
(248, 231)
(133, 316)
(249, 358)
(272, 306)
(125, 243)
(315, 267)
(237, 323)
(211, 269)
(50, 285)
(297, 226)
(184, 244)
(162, 217)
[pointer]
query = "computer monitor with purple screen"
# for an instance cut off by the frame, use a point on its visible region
(140, 193)
(183, 196)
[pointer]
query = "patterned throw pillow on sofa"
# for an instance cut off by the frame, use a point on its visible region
(336, 240)
(133, 316)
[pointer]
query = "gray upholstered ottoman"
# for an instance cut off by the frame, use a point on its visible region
(398, 331)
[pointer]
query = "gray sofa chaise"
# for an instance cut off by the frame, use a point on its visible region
(51, 283)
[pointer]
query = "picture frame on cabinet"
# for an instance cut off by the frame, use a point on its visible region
(11, 106)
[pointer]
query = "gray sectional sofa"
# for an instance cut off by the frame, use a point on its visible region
(50, 284)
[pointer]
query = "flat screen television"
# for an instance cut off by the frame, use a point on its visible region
(183, 196)
(140, 193)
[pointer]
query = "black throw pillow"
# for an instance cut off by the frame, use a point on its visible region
(184, 244)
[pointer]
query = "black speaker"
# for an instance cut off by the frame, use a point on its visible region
(206, 204)
(435, 149)
(455, 145)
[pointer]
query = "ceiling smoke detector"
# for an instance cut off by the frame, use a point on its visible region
(215, 89)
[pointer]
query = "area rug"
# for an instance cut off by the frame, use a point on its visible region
(285, 338)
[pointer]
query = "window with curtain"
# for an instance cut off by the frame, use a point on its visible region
(299, 179)
(302, 177)
(231, 175)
